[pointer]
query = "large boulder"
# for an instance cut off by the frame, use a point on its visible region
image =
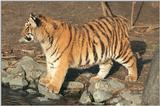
(108, 85)
(151, 90)
(26, 73)
(101, 91)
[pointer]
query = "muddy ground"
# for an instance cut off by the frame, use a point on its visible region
(144, 41)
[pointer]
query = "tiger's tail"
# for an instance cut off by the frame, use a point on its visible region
(106, 9)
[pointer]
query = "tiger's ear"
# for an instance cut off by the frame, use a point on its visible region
(34, 20)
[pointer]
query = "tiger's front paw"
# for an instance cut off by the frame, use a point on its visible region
(52, 87)
(45, 80)
(50, 84)
(130, 78)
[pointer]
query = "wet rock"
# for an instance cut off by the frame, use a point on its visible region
(86, 98)
(134, 98)
(101, 96)
(108, 85)
(44, 91)
(42, 99)
(97, 103)
(73, 86)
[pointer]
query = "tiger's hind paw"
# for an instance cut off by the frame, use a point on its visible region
(130, 78)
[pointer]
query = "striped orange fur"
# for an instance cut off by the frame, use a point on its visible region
(97, 42)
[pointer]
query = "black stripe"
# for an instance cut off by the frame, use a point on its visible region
(128, 60)
(94, 53)
(101, 42)
(87, 62)
(80, 61)
(50, 38)
(110, 32)
(54, 51)
(87, 31)
(125, 48)
(94, 48)
(119, 54)
(100, 24)
(67, 45)
(87, 53)
(83, 38)
(115, 43)
(125, 56)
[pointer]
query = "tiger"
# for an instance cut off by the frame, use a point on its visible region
(97, 42)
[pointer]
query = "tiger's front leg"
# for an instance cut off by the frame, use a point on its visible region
(55, 75)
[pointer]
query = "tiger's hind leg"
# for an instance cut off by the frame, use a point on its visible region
(131, 64)
(103, 72)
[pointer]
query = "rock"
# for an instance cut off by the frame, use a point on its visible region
(101, 96)
(134, 98)
(42, 99)
(44, 91)
(151, 89)
(114, 100)
(73, 86)
(31, 91)
(86, 74)
(33, 69)
(26, 71)
(33, 84)
(108, 85)
(125, 103)
(86, 98)
(18, 83)
(4, 75)
(4, 64)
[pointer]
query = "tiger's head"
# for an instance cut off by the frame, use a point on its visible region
(37, 28)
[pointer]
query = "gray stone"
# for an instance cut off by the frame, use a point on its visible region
(4, 75)
(32, 69)
(86, 98)
(26, 70)
(73, 86)
(42, 99)
(101, 96)
(15, 78)
(44, 91)
(108, 85)
(124, 103)
(134, 98)
(151, 89)
(18, 83)
(4, 64)
(114, 100)
(31, 91)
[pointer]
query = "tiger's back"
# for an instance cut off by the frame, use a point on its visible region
(98, 41)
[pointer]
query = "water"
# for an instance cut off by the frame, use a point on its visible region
(21, 97)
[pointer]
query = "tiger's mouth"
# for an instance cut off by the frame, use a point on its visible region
(26, 39)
